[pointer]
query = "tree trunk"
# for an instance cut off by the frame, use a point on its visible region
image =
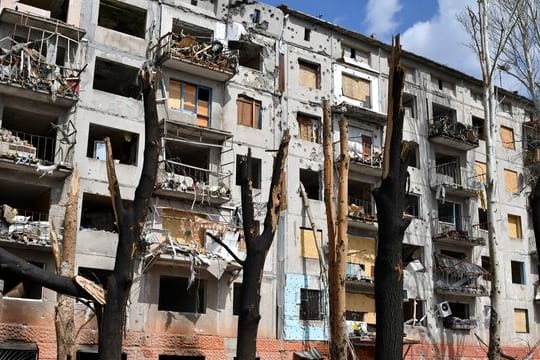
(257, 246)
(390, 200)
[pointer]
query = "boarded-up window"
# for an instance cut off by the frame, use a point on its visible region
(356, 88)
(480, 170)
(185, 227)
(191, 98)
(309, 128)
(521, 320)
(249, 112)
(308, 247)
(511, 181)
(507, 137)
(308, 74)
(310, 304)
(360, 303)
(514, 226)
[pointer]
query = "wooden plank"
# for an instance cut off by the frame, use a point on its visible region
(174, 94)
(308, 75)
(511, 181)
(308, 247)
(507, 137)
(356, 88)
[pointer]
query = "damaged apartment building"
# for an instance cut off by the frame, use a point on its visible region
(234, 76)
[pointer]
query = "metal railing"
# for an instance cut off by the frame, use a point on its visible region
(453, 175)
(33, 215)
(365, 154)
(212, 55)
(447, 126)
(362, 210)
(459, 228)
(44, 145)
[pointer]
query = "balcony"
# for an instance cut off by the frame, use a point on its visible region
(193, 183)
(362, 214)
(458, 277)
(187, 54)
(457, 231)
(357, 281)
(445, 130)
(365, 158)
(360, 114)
(456, 323)
(24, 228)
(453, 180)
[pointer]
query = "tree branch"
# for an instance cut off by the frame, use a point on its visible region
(114, 186)
(246, 183)
(226, 247)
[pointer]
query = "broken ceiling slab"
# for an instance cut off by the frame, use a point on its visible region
(360, 113)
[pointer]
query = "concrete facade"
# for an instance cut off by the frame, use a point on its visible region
(276, 67)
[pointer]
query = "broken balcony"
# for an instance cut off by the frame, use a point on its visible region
(359, 114)
(450, 179)
(366, 158)
(457, 231)
(357, 280)
(458, 277)
(444, 129)
(191, 55)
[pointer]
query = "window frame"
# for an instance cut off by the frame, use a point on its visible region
(249, 101)
(195, 111)
(256, 175)
(200, 305)
(508, 145)
(311, 121)
(313, 67)
(517, 271)
(527, 325)
(307, 297)
(519, 226)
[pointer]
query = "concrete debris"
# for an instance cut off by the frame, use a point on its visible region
(21, 229)
(447, 126)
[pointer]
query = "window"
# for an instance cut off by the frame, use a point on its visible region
(99, 276)
(479, 125)
(354, 315)
(19, 354)
(507, 137)
(450, 212)
(482, 219)
(119, 16)
(511, 181)
(440, 83)
(521, 320)
(309, 75)
(175, 295)
(192, 98)
(409, 105)
(256, 16)
(309, 128)
(353, 53)
(310, 304)
(125, 144)
(191, 31)
(308, 246)
(237, 298)
(480, 170)
(514, 226)
(180, 357)
(459, 310)
(506, 107)
(486, 265)
(116, 78)
(249, 54)
(414, 309)
(255, 170)
(414, 150)
(97, 213)
(86, 355)
(194, 2)
(412, 205)
(307, 34)
(249, 112)
(312, 183)
(518, 272)
(15, 287)
(455, 254)
(356, 88)
(443, 113)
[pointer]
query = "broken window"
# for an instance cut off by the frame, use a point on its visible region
(521, 320)
(97, 213)
(87, 355)
(514, 226)
(511, 181)
(479, 124)
(480, 170)
(507, 137)
(414, 155)
(249, 112)
(312, 183)
(455, 254)
(448, 166)
(307, 34)
(482, 219)
(409, 105)
(237, 298)
(450, 213)
(353, 53)
(119, 16)
(414, 310)
(356, 88)
(17, 354)
(308, 246)
(124, 144)
(15, 287)
(180, 357)
(412, 205)
(309, 128)
(249, 55)
(459, 310)
(192, 32)
(310, 304)
(31, 201)
(177, 294)
(443, 113)
(116, 78)
(309, 74)
(486, 265)
(99, 276)
(505, 107)
(192, 98)
(57, 9)
(410, 253)
(518, 272)
(255, 170)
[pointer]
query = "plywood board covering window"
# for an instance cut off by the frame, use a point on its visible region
(248, 112)
(359, 303)
(356, 88)
(191, 98)
(480, 170)
(309, 128)
(507, 137)
(308, 74)
(521, 320)
(184, 227)
(511, 181)
(308, 247)
(514, 226)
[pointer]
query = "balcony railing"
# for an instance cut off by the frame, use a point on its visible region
(447, 131)
(455, 323)
(459, 277)
(365, 154)
(362, 210)
(455, 179)
(212, 56)
(44, 145)
(27, 226)
(458, 231)
(206, 184)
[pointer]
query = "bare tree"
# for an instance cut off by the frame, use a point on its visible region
(390, 200)
(257, 246)
(130, 221)
(484, 30)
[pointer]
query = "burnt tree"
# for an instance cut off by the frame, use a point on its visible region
(257, 246)
(130, 221)
(390, 200)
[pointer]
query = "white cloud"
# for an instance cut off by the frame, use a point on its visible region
(443, 38)
(380, 17)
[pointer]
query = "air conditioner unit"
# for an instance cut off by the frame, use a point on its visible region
(444, 309)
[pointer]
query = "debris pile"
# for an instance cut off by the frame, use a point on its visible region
(22, 229)
(457, 276)
(26, 67)
(446, 126)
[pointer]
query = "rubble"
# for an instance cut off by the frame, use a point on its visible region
(456, 276)
(22, 230)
